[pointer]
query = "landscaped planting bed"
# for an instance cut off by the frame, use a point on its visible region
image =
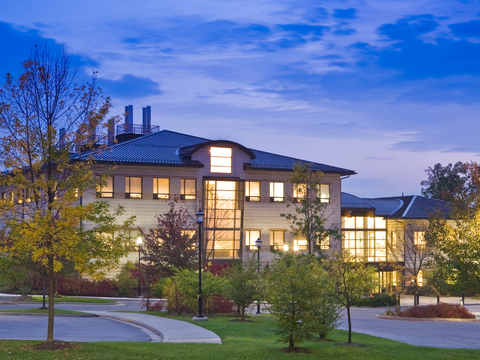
(442, 310)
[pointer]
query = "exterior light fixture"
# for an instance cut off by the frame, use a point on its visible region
(258, 244)
(285, 247)
(200, 217)
(139, 242)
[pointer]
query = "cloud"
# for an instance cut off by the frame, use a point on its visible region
(129, 86)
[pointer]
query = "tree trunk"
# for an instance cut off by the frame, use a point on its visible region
(291, 344)
(44, 289)
(349, 325)
(243, 313)
(51, 297)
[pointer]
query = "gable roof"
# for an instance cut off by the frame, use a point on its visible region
(408, 207)
(352, 202)
(171, 148)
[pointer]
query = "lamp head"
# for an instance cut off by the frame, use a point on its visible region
(139, 241)
(258, 243)
(200, 216)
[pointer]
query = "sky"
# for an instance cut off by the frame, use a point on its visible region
(384, 88)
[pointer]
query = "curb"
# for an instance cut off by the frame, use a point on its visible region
(386, 317)
(138, 323)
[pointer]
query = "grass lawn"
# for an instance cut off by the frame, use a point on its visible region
(40, 311)
(249, 340)
(75, 300)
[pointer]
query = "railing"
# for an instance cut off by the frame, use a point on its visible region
(136, 129)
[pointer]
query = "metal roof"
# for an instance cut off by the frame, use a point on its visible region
(409, 207)
(352, 202)
(164, 148)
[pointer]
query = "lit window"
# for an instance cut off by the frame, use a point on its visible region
(420, 278)
(300, 244)
(324, 192)
(419, 239)
(276, 192)
(188, 189)
(325, 243)
(220, 160)
(161, 188)
(250, 237)
(299, 191)
(252, 191)
(277, 239)
(107, 190)
(133, 187)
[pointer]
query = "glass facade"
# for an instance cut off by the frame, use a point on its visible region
(365, 238)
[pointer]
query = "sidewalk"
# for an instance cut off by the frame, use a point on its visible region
(169, 330)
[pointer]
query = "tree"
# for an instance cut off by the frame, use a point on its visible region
(309, 221)
(410, 249)
(44, 114)
(351, 280)
(242, 283)
(295, 288)
(445, 183)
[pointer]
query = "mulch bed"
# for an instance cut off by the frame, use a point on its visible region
(54, 345)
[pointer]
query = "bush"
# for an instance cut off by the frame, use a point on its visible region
(442, 310)
(125, 282)
(378, 300)
(85, 287)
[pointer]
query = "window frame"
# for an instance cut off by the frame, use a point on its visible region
(106, 194)
(183, 195)
(247, 191)
(272, 192)
(165, 196)
(321, 198)
(251, 245)
(220, 169)
(128, 195)
(273, 245)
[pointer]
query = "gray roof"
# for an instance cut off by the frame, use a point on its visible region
(165, 148)
(409, 207)
(352, 202)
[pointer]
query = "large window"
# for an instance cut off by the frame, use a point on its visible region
(277, 239)
(250, 237)
(276, 192)
(161, 188)
(188, 189)
(365, 238)
(220, 160)
(252, 190)
(133, 187)
(106, 191)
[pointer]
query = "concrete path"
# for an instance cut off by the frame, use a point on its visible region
(168, 330)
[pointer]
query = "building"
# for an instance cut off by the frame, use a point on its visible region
(389, 233)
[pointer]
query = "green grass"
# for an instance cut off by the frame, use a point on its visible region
(73, 299)
(40, 311)
(249, 340)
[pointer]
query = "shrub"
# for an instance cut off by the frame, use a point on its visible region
(125, 282)
(378, 300)
(442, 310)
(85, 287)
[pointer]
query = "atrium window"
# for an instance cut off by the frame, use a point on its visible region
(220, 160)
(133, 187)
(365, 238)
(252, 191)
(161, 188)
(188, 189)
(250, 237)
(106, 189)
(276, 192)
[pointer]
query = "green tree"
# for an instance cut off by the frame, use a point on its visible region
(351, 280)
(242, 285)
(44, 115)
(295, 287)
(445, 182)
(309, 221)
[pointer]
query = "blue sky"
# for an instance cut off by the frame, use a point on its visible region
(385, 88)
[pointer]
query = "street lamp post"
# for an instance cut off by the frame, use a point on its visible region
(200, 216)
(258, 243)
(139, 242)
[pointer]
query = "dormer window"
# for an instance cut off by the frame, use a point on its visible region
(220, 160)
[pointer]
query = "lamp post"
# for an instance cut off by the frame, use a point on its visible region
(258, 244)
(200, 216)
(139, 242)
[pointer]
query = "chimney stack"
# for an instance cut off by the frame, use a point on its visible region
(129, 119)
(147, 120)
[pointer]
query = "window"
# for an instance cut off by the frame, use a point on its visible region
(419, 239)
(220, 160)
(277, 239)
(106, 189)
(300, 244)
(420, 278)
(324, 193)
(188, 189)
(250, 237)
(365, 238)
(252, 190)
(325, 243)
(133, 187)
(299, 191)
(161, 188)
(276, 192)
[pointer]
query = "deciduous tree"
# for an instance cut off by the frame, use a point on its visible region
(44, 115)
